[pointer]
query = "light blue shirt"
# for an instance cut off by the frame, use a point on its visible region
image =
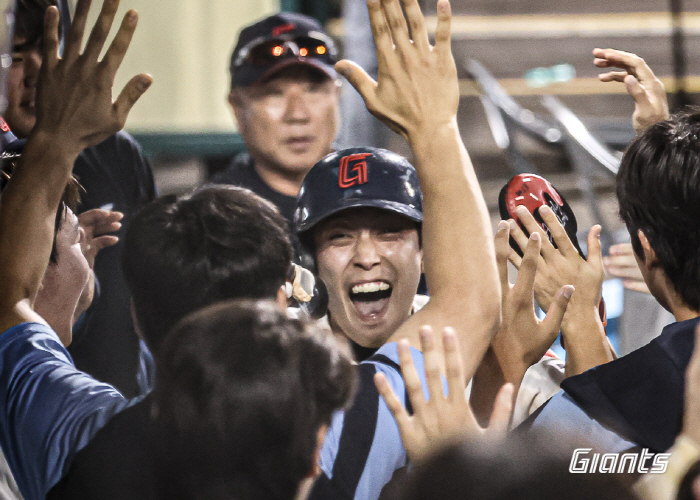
(387, 453)
(51, 409)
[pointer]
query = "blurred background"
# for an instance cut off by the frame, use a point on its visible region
(531, 100)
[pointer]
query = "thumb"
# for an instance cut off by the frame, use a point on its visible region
(358, 78)
(502, 409)
(555, 313)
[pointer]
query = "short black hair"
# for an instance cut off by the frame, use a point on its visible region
(69, 200)
(241, 394)
(29, 20)
(181, 254)
(658, 188)
(521, 467)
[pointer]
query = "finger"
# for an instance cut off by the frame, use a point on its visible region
(525, 281)
(105, 241)
(638, 93)
(431, 361)
(502, 410)
(624, 272)
(559, 234)
(636, 286)
(555, 314)
(74, 40)
(395, 406)
(634, 64)
(97, 215)
(380, 32)
(613, 76)
(51, 42)
(518, 235)
(100, 30)
(515, 259)
(621, 249)
(117, 50)
(416, 23)
(532, 226)
(131, 93)
(359, 79)
(595, 252)
(443, 33)
(410, 377)
(502, 252)
(456, 381)
(397, 24)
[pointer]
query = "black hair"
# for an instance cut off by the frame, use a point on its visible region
(241, 394)
(29, 20)
(69, 200)
(181, 254)
(658, 188)
(522, 467)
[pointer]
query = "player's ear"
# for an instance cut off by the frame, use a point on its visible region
(651, 260)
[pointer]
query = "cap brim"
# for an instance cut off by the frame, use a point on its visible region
(400, 208)
(328, 69)
(247, 76)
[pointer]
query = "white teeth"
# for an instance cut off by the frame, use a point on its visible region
(370, 287)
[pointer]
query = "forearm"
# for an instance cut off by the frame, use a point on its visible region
(459, 254)
(27, 215)
(585, 341)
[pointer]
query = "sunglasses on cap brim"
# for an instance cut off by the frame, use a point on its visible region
(265, 52)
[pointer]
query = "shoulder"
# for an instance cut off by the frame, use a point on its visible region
(239, 172)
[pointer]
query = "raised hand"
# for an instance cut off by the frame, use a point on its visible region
(74, 92)
(523, 339)
(622, 264)
(561, 265)
(441, 419)
(416, 88)
(96, 223)
(582, 330)
(648, 92)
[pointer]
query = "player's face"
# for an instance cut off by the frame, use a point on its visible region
(64, 281)
(370, 260)
(289, 122)
(21, 88)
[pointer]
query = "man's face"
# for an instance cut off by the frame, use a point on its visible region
(370, 260)
(288, 122)
(21, 87)
(64, 281)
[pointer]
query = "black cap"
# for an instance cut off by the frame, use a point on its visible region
(284, 26)
(358, 177)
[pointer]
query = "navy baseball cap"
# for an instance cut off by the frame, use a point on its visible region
(357, 177)
(278, 41)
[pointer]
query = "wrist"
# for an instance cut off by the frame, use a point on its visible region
(429, 133)
(53, 143)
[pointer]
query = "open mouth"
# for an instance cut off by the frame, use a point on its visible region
(370, 299)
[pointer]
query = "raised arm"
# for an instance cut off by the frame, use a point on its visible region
(417, 94)
(74, 110)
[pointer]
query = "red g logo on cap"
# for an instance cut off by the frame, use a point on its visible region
(359, 170)
(285, 28)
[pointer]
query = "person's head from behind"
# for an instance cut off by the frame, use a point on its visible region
(285, 93)
(66, 276)
(359, 213)
(521, 468)
(658, 188)
(26, 62)
(181, 254)
(243, 398)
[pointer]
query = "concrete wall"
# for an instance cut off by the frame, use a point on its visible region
(185, 45)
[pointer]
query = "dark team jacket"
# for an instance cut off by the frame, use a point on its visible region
(116, 463)
(639, 396)
(115, 174)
